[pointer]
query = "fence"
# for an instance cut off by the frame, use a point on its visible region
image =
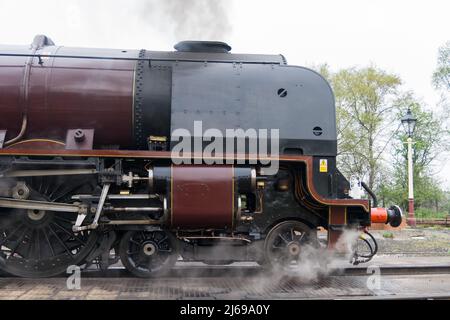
(441, 222)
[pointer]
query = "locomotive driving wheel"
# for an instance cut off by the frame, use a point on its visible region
(148, 253)
(38, 243)
(285, 243)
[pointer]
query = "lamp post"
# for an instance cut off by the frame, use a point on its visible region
(409, 123)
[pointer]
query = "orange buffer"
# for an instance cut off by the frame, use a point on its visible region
(392, 216)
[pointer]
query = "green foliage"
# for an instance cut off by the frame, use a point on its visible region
(372, 144)
(427, 192)
(365, 99)
(446, 202)
(427, 213)
(388, 235)
(430, 139)
(429, 142)
(441, 76)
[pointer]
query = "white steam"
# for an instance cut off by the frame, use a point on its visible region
(315, 263)
(188, 19)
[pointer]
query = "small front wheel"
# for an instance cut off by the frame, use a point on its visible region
(148, 253)
(286, 242)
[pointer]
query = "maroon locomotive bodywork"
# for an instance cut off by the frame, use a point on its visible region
(202, 197)
(59, 94)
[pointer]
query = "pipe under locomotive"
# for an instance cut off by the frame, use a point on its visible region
(86, 165)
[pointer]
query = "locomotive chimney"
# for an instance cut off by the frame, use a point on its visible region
(202, 46)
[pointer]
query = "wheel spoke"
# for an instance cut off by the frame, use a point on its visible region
(50, 196)
(10, 235)
(150, 264)
(41, 180)
(60, 241)
(49, 243)
(163, 239)
(38, 244)
(283, 238)
(30, 245)
(58, 217)
(46, 189)
(302, 236)
(65, 193)
(69, 233)
(19, 241)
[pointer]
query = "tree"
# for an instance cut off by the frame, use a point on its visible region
(365, 100)
(441, 76)
(371, 142)
(429, 142)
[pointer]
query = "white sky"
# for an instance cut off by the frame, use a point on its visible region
(399, 36)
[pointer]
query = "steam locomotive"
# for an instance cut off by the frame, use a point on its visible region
(88, 172)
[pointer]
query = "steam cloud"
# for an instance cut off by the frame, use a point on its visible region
(315, 263)
(189, 19)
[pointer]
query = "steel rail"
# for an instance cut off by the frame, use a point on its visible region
(206, 271)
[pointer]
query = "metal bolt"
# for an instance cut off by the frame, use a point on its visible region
(282, 93)
(79, 135)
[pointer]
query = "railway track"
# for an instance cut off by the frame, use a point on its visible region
(218, 271)
(203, 271)
(243, 282)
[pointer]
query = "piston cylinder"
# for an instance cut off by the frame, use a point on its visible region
(203, 196)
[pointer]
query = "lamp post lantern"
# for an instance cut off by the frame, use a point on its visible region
(409, 123)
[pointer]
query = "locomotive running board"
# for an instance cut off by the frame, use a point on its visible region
(167, 155)
(39, 205)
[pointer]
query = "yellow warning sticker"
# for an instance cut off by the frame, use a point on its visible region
(323, 165)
